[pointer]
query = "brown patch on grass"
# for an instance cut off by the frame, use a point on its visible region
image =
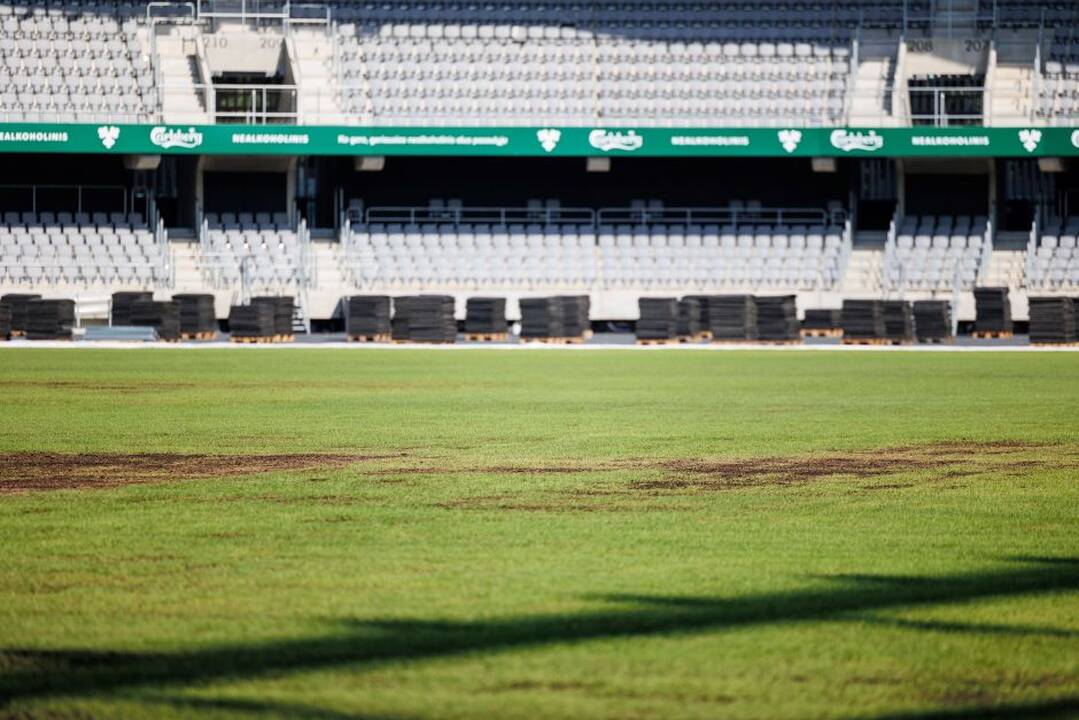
(951, 460)
(134, 386)
(24, 472)
(548, 686)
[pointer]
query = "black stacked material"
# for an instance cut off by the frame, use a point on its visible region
(486, 316)
(252, 321)
(18, 302)
(50, 319)
(121, 305)
(823, 320)
(541, 318)
(283, 308)
(367, 315)
(658, 318)
(933, 320)
(164, 317)
(993, 310)
(777, 318)
(703, 301)
(424, 318)
(1052, 320)
(732, 317)
(863, 320)
(197, 314)
(575, 309)
(690, 321)
(898, 321)
(5, 321)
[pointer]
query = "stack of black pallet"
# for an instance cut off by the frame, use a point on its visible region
(863, 320)
(1052, 320)
(197, 314)
(50, 319)
(823, 320)
(777, 318)
(424, 318)
(486, 316)
(703, 301)
(658, 318)
(993, 310)
(18, 304)
(121, 306)
(367, 316)
(732, 317)
(898, 321)
(164, 317)
(252, 321)
(541, 318)
(933, 320)
(5, 321)
(283, 308)
(690, 317)
(575, 311)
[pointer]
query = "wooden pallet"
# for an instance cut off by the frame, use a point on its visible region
(376, 338)
(423, 342)
(252, 339)
(487, 337)
(993, 334)
(822, 332)
(205, 335)
(18, 334)
(283, 338)
(866, 341)
(579, 340)
(1070, 343)
(658, 341)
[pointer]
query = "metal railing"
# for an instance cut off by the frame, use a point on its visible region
(254, 103)
(124, 194)
(246, 11)
(481, 215)
(728, 216)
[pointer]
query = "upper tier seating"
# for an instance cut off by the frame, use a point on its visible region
(50, 249)
(74, 63)
(931, 253)
(581, 63)
(1055, 262)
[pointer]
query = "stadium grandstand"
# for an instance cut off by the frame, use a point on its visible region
(885, 149)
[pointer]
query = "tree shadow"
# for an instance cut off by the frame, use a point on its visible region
(372, 642)
(1044, 710)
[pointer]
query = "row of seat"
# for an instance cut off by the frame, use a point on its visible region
(1055, 261)
(89, 250)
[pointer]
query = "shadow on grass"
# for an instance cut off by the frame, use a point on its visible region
(1048, 710)
(357, 643)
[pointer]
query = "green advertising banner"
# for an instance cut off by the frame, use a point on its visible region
(540, 141)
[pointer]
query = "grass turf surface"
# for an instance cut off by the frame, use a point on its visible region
(456, 578)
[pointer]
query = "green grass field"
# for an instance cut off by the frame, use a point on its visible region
(538, 534)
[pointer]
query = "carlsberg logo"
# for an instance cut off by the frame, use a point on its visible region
(165, 138)
(847, 141)
(607, 140)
